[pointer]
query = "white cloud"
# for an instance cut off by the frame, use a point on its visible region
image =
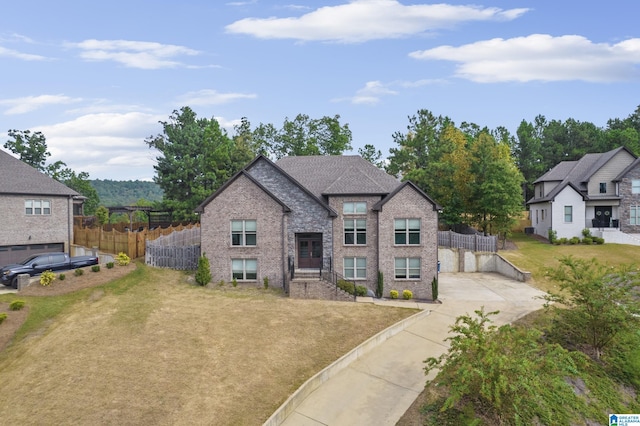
(32, 103)
(373, 91)
(19, 55)
(541, 57)
(107, 145)
(212, 97)
(363, 20)
(134, 54)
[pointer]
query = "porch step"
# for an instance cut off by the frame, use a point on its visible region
(306, 274)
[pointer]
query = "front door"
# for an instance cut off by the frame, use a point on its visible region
(603, 216)
(309, 250)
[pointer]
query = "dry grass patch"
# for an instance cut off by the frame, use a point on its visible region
(153, 349)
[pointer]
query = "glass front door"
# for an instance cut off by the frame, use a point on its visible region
(309, 250)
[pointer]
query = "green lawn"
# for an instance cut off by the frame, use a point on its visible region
(537, 256)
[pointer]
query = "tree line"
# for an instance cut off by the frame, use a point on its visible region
(481, 176)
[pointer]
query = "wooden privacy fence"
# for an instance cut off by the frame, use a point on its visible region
(179, 250)
(473, 242)
(130, 242)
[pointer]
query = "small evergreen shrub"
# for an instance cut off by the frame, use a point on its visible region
(61, 277)
(234, 282)
(47, 277)
(587, 240)
(16, 305)
(434, 288)
(95, 268)
(598, 240)
(122, 259)
(203, 274)
(3, 317)
(380, 286)
(78, 272)
(393, 294)
(221, 283)
(110, 265)
(361, 290)
(347, 286)
(574, 240)
(407, 294)
(265, 282)
(563, 240)
(586, 233)
(553, 236)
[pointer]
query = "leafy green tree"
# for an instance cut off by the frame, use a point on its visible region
(303, 136)
(80, 183)
(372, 155)
(602, 302)
(196, 156)
(31, 147)
(507, 375)
(102, 215)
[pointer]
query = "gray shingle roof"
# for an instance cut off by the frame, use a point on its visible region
(338, 175)
(17, 177)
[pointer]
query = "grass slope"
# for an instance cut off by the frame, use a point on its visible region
(150, 348)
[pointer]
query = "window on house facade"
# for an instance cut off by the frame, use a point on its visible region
(243, 232)
(634, 215)
(355, 231)
(540, 191)
(407, 268)
(406, 231)
(542, 214)
(244, 269)
(603, 187)
(354, 208)
(568, 214)
(635, 186)
(355, 267)
(37, 207)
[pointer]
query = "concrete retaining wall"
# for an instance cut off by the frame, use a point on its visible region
(461, 260)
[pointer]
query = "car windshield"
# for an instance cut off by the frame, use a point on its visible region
(29, 259)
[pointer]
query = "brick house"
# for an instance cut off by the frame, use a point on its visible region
(38, 211)
(313, 213)
(600, 192)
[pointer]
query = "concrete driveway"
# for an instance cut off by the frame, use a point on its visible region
(376, 383)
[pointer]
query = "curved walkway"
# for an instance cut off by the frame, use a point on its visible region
(377, 383)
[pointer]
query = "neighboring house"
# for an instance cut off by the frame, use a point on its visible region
(37, 211)
(598, 192)
(309, 213)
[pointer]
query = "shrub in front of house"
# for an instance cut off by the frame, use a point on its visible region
(265, 282)
(574, 240)
(563, 240)
(361, 290)
(78, 272)
(598, 240)
(3, 317)
(407, 294)
(587, 240)
(95, 268)
(16, 305)
(393, 294)
(203, 274)
(553, 236)
(110, 265)
(61, 277)
(47, 277)
(234, 282)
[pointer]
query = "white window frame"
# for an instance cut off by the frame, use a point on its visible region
(355, 268)
(635, 186)
(634, 215)
(568, 213)
(354, 207)
(37, 207)
(405, 268)
(248, 266)
(356, 228)
(243, 233)
(407, 232)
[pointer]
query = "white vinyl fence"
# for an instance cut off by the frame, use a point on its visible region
(178, 250)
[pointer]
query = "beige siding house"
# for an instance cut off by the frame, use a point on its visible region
(37, 209)
(302, 215)
(596, 192)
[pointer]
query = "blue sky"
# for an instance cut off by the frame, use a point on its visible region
(97, 77)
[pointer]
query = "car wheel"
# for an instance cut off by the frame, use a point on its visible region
(14, 283)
